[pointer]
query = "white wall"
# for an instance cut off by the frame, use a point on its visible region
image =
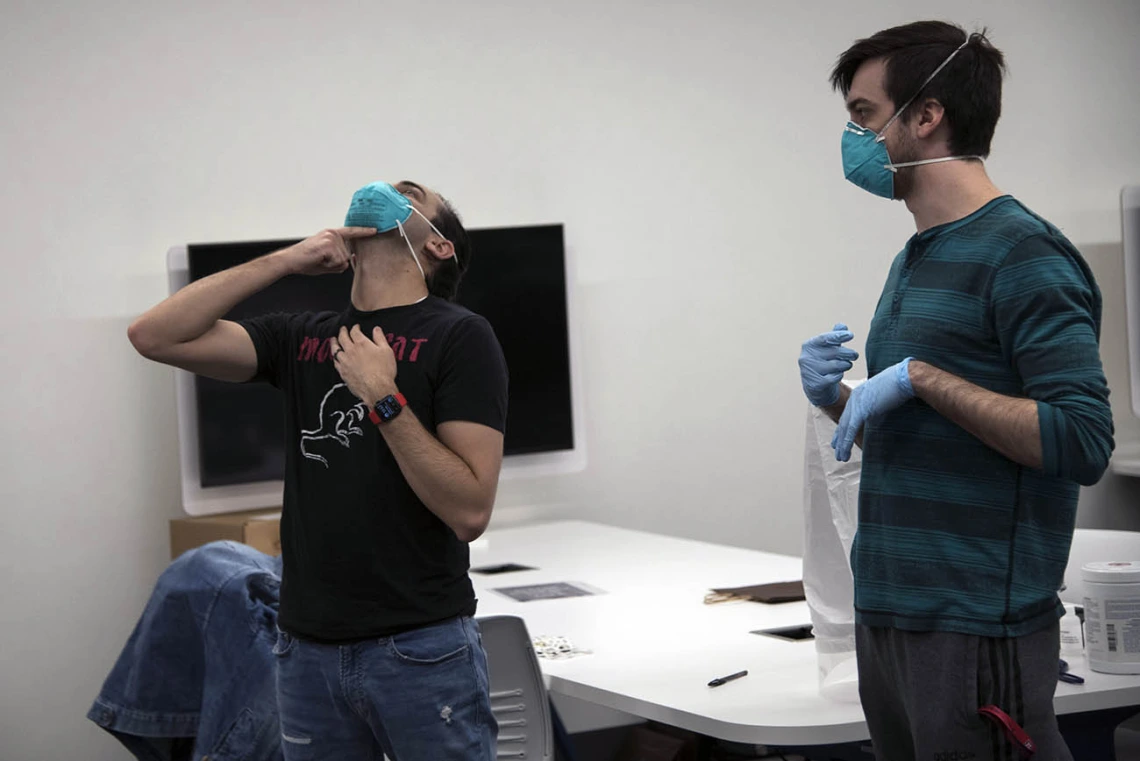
(691, 149)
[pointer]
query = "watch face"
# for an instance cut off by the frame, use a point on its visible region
(388, 408)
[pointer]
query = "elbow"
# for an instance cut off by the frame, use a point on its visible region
(147, 342)
(1091, 468)
(1094, 451)
(473, 525)
(1091, 478)
(1077, 442)
(142, 339)
(467, 536)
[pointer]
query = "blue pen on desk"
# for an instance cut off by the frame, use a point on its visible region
(1066, 676)
(723, 679)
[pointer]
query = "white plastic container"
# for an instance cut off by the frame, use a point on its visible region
(1112, 616)
(1072, 638)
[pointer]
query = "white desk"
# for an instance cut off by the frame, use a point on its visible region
(655, 644)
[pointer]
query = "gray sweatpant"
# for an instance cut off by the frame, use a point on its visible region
(921, 692)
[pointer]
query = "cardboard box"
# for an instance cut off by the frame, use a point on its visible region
(260, 529)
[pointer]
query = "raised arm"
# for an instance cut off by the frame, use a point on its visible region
(186, 330)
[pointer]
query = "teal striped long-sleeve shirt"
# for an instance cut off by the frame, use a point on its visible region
(953, 536)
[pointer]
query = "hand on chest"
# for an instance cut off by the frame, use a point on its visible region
(332, 417)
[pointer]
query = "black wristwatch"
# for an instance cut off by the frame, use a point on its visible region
(387, 408)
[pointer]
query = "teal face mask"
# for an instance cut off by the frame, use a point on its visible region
(380, 205)
(866, 162)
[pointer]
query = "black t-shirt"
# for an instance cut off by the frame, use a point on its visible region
(363, 557)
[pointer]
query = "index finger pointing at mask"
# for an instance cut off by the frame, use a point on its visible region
(348, 233)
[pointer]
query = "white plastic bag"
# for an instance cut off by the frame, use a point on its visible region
(831, 504)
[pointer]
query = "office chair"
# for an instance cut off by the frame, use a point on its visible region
(519, 699)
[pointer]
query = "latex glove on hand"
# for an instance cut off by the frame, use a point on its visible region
(823, 360)
(877, 396)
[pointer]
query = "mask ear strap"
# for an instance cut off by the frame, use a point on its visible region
(895, 167)
(411, 250)
(437, 232)
(883, 132)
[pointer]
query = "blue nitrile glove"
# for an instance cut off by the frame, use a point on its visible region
(870, 399)
(823, 360)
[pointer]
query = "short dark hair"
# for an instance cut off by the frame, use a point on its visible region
(969, 88)
(444, 281)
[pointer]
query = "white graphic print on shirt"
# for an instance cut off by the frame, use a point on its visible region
(340, 416)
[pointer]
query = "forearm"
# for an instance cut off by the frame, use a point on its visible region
(193, 310)
(835, 411)
(1006, 424)
(440, 478)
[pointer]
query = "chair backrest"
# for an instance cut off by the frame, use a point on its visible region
(519, 699)
(1091, 545)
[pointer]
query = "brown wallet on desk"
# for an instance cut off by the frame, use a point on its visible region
(782, 591)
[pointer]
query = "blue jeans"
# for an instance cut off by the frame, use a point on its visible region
(421, 695)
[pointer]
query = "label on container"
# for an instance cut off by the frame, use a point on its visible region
(1112, 629)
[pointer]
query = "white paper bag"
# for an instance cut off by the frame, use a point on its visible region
(831, 503)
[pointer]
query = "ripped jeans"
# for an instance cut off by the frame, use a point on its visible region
(421, 695)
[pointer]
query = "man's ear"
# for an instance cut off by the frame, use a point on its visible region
(930, 117)
(438, 248)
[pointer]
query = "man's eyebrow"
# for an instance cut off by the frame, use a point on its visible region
(411, 184)
(856, 102)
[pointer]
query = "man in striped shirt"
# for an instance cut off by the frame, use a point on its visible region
(985, 409)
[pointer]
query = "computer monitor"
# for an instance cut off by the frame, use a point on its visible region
(232, 435)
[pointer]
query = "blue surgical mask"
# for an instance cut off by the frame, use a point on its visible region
(866, 162)
(380, 205)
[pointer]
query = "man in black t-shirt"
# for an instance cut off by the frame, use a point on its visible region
(395, 410)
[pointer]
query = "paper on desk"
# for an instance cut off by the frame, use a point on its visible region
(556, 648)
(551, 591)
(778, 592)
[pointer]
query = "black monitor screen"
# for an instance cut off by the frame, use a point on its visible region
(517, 280)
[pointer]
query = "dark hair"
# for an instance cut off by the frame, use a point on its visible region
(444, 281)
(969, 88)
